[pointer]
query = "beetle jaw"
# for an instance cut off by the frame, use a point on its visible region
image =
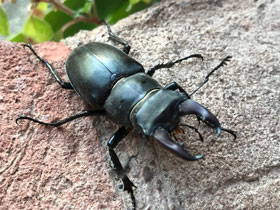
(185, 108)
(191, 107)
(162, 136)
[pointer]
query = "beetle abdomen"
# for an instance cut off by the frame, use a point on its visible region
(126, 93)
(93, 69)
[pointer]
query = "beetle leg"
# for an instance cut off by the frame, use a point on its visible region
(68, 119)
(223, 63)
(112, 143)
(114, 37)
(152, 70)
(65, 85)
(175, 86)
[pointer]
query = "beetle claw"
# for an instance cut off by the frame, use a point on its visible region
(191, 107)
(161, 135)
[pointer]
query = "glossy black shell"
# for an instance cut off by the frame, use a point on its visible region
(95, 67)
(126, 93)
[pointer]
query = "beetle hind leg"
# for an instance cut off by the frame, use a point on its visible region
(66, 120)
(65, 85)
(120, 134)
(114, 37)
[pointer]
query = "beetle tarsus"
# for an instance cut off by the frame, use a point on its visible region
(66, 120)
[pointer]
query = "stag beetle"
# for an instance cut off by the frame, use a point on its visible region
(108, 78)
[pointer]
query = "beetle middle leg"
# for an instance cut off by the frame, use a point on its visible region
(65, 85)
(114, 37)
(169, 64)
(66, 120)
(120, 134)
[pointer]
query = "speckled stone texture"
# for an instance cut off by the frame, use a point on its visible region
(67, 167)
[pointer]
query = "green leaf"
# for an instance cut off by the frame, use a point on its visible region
(75, 28)
(86, 9)
(57, 19)
(43, 6)
(37, 29)
(104, 11)
(75, 4)
(125, 10)
(18, 38)
(4, 23)
(132, 2)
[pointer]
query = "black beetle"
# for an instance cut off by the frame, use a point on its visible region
(108, 78)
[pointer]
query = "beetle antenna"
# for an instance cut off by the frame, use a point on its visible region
(195, 129)
(233, 133)
(223, 63)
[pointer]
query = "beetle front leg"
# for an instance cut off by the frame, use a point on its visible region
(171, 63)
(65, 85)
(223, 63)
(120, 134)
(175, 86)
(114, 37)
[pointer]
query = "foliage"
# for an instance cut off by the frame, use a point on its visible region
(4, 25)
(54, 20)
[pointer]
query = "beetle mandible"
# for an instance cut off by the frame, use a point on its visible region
(106, 77)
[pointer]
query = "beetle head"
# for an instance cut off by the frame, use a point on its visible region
(159, 114)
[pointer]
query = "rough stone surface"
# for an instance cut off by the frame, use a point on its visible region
(66, 168)
(44, 167)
